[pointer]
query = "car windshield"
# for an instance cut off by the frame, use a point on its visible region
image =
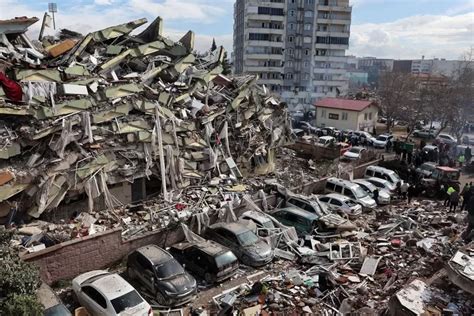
(247, 238)
(131, 299)
(268, 224)
(359, 192)
(322, 141)
(225, 259)
(382, 138)
(350, 203)
(355, 150)
(428, 167)
(168, 269)
(394, 177)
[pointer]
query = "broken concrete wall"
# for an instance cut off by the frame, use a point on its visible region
(69, 259)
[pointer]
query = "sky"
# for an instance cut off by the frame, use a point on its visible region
(400, 29)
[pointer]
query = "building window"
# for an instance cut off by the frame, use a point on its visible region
(289, 76)
(366, 116)
(307, 39)
(307, 27)
(291, 52)
(292, 12)
(344, 116)
(308, 14)
(323, 113)
(289, 64)
(307, 64)
(290, 39)
(333, 116)
(370, 115)
(306, 52)
(309, 1)
(292, 26)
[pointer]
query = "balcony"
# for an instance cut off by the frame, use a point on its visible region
(331, 46)
(330, 83)
(264, 43)
(334, 71)
(270, 81)
(265, 17)
(262, 69)
(332, 33)
(333, 21)
(265, 30)
(322, 7)
(341, 59)
(265, 56)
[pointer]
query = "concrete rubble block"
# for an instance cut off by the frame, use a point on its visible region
(61, 48)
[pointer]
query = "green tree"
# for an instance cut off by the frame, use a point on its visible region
(19, 281)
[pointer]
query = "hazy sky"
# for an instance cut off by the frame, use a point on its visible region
(381, 28)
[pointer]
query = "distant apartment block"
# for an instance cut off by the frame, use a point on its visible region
(297, 47)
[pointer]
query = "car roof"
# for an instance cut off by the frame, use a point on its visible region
(341, 181)
(365, 182)
(378, 168)
(111, 285)
(447, 169)
(236, 228)
(337, 196)
(299, 212)
(326, 137)
(209, 247)
(155, 254)
(430, 163)
(379, 180)
(257, 216)
(430, 147)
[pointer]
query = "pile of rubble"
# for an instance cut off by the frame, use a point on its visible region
(396, 261)
(80, 115)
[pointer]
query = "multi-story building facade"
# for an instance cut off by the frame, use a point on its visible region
(297, 47)
(259, 40)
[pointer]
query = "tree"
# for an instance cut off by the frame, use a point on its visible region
(18, 282)
(213, 46)
(395, 93)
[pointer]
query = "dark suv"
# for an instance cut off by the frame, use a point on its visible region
(161, 275)
(208, 260)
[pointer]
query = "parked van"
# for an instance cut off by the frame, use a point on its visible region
(351, 190)
(383, 173)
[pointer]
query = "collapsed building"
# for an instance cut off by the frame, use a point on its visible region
(111, 118)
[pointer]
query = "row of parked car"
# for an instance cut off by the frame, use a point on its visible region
(169, 276)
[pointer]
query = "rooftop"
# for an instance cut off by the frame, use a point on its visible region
(344, 104)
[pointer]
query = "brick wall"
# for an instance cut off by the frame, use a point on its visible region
(71, 258)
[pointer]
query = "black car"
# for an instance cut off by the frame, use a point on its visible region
(162, 275)
(207, 260)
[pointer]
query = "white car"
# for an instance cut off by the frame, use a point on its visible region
(108, 294)
(382, 140)
(384, 195)
(326, 141)
(354, 153)
(446, 139)
(383, 184)
(337, 202)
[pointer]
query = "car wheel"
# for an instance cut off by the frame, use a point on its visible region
(160, 298)
(208, 277)
(246, 260)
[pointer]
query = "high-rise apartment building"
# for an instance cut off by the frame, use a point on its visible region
(297, 47)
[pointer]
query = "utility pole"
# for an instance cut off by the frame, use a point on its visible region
(53, 8)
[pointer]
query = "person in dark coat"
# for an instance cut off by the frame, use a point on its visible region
(467, 154)
(467, 193)
(411, 192)
(376, 195)
(453, 201)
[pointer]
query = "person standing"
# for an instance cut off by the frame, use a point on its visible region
(467, 193)
(461, 160)
(411, 192)
(468, 154)
(453, 201)
(376, 195)
(404, 189)
(448, 195)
